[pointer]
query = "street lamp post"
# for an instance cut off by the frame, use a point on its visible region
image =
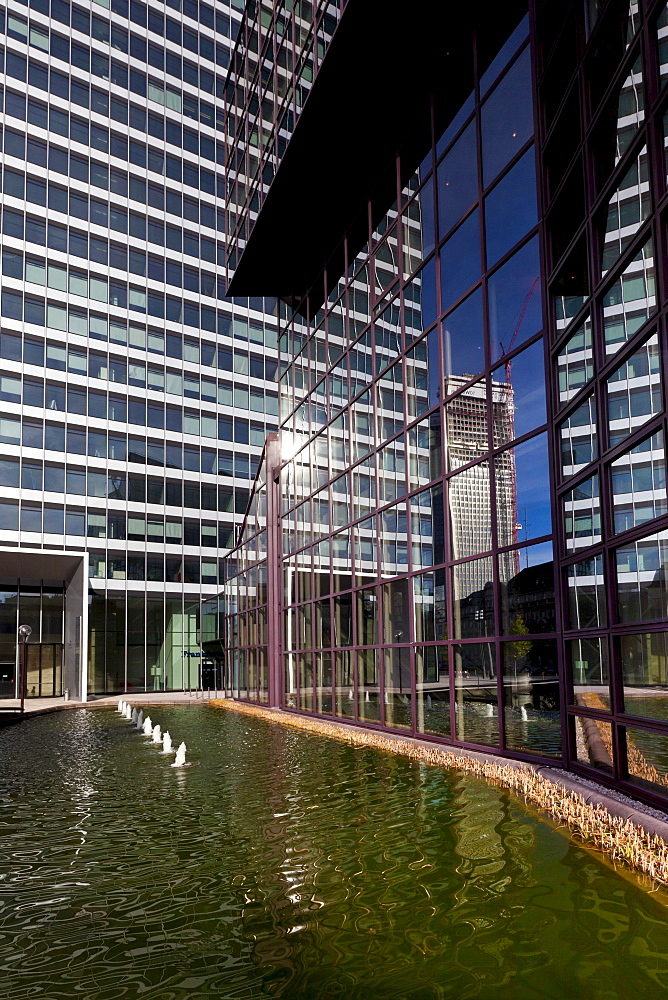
(25, 632)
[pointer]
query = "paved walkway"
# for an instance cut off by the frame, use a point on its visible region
(42, 706)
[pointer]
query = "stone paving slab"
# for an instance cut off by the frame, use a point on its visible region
(45, 706)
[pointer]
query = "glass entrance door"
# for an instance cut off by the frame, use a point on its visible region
(7, 678)
(44, 670)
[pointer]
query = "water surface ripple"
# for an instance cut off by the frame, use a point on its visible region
(283, 864)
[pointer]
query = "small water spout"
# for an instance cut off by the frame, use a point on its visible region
(148, 726)
(140, 719)
(133, 717)
(157, 735)
(128, 712)
(180, 756)
(166, 742)
(489, 711)
(119, 709)
(523, 714)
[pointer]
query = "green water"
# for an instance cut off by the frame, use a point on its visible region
(286, 865)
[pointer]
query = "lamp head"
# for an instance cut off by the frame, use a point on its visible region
(25, 632)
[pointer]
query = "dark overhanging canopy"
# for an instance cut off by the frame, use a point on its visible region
(369, 101)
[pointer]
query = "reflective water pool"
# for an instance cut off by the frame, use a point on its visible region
(287, 865)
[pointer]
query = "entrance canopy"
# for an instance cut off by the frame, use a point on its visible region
(41, 572)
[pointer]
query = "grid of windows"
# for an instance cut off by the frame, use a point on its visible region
(135, 397)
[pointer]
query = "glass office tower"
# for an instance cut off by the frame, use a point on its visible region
(464, 517)
(134, 396)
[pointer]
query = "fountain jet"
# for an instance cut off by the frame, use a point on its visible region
(133, 717)
(166, 742)
(119, 708)
(180, 756)
(128, 712)
(157, 735)
(148, 726)
(140, 719)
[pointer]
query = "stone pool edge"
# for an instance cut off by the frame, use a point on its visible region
(622, 831)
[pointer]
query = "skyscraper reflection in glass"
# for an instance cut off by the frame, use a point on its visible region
(466, 513)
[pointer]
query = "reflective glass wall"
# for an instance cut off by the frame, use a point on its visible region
(474, 517)
(421, 541)
(605, 242)
(416, 523)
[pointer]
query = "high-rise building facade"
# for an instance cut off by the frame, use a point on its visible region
(135, 397)
(464, 514)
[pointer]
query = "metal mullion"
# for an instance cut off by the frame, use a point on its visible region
(639, 434)
(557, 265)
(533, 636)
(354, 646)
(649, 45)
(639, 530)
(487, 377)
(610, 577)
(546, 66)
(624, 68)
(639, 792)
(662, 189)
(516, 442)
(473, 380)
(408, 492)
(591, 632)
(453, 229)
(527, 543)
(663, 360)
(564, 486)
(467, 559)
(643, 722)
(561, 337)
(653, 626)
(597, 389)
(552, 346)
(640, 238)
(637, 533)
(583, 712)
(610, 185)
(530, 341)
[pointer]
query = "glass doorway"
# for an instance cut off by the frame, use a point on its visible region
(44, 669)
(43, 608)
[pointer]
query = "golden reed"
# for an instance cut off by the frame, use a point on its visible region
(620, 839)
